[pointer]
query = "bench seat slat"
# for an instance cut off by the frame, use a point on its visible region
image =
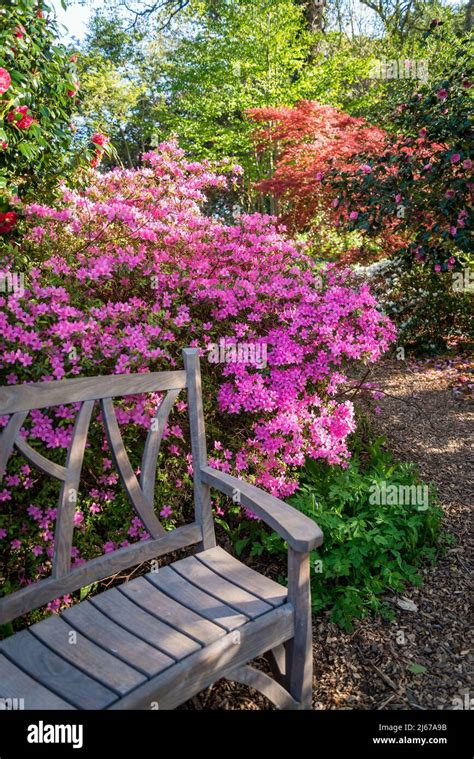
(240, 574)
(240, 599)
(14, 683)
(55, 633)
(168, 610)
(55, 673)
(176, 586)
(115, 639)
(160, 637)
(137, 621)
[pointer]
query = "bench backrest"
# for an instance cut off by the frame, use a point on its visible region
(16, 401)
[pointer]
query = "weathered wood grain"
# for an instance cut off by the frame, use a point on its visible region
(8, 437)
(255, 678)
(40, 593)
(239, 574)
(69, 492)
(38, 395)
(175, 586)
(144, 625)
(188, 677)
(55, 673)
(115, 639)
(69, 643)
(301, 532)
(141, 504)
(14, 683)
(39, 461)
(166, 609)
(202, 495)
(299, 663)
(234, 596)
(153, 443)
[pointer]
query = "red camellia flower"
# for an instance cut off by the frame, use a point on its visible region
(7, 222)
(20, 31)
(25, 120)
(4, 145)
(99, 139)
(5, 80)
(442, 94)
(73, 58)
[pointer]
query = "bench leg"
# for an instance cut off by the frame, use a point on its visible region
(299, 653)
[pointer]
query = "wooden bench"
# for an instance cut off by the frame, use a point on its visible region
(157, 640)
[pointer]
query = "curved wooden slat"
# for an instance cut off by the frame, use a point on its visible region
(8, 437)
(142, 505)
(152, 445)
(240, 574)
(55, 673)
(177, 587)
(37, 395)
(69, 489)
(40, 461)
(86, 656)
(209, 664)
(115, 639)
(272, 690)
(14, 683)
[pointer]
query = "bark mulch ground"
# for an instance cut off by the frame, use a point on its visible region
(420, 660)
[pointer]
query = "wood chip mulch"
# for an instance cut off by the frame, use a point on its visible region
(420, 660)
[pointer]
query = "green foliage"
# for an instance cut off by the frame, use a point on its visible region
(432, 312)
(35, 153)
(115, 68)
(369, 549)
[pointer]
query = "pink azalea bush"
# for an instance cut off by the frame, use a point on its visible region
(130, 271)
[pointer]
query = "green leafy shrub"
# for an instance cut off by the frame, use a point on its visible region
(369, 548)
(431, 312)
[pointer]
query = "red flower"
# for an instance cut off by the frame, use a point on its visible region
(25, 120)
(20, 31)
(100, 139)
(71, 93)
(7, 222)
(5, 80)
(73, 58)
(442, 94)
(4, 145)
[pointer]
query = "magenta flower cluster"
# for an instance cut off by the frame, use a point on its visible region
(133, 270)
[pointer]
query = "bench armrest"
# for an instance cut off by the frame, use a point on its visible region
(301, 533)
